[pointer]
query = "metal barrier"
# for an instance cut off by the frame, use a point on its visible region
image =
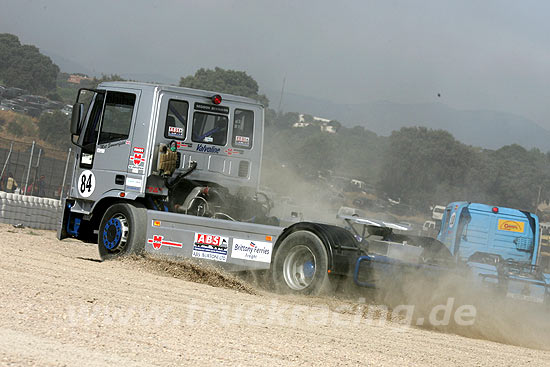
(38, 171)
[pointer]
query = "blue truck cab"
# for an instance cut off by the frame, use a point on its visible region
(472, 230)
(499, 245)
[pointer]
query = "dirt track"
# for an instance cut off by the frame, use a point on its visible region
(60, 306)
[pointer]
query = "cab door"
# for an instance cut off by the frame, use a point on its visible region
(103, 162)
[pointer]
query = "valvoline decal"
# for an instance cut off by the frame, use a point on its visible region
(207, 149)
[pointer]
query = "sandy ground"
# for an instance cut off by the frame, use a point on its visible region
(60, 306)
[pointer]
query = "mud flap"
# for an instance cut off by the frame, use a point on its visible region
(62, 223)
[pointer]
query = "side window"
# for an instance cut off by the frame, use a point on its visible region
(243, 129)
(117, 117)
(176, 119)
(90, 136)
(447, 218)
(210, 129)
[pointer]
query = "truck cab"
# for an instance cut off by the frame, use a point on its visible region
(472, 230)
(124, 126)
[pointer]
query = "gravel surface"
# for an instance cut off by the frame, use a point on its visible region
(61, 306)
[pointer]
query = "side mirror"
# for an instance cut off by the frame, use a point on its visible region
(76, 118)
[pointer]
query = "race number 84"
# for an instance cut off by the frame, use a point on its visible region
(86, 183)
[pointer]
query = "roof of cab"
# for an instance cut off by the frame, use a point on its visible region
(489, 209)
(182, 90)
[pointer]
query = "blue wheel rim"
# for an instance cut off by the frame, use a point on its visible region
(112, 233)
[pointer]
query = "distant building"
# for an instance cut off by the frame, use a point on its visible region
(328, 128)
(325, 125)
(301, 124)
(77, 78)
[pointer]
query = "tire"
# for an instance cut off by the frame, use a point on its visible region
(122, 231)
(300, 264)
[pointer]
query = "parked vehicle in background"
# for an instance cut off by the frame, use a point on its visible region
(437, 212)
(430, 228)
(67, 110)
(12, 92)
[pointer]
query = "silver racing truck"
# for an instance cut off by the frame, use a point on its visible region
(175, 172)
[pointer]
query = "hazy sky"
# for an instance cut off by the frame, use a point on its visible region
(477, 54)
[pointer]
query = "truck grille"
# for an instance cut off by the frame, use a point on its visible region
(243, 168)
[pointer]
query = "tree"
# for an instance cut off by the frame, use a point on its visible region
(23, 66)
(104, 78)
(417, 160)
(54, 128)
(225, 81)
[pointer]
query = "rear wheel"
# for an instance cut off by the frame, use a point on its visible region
(122, 231)
(301, 264)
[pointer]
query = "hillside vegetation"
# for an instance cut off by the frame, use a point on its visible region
(416, 166)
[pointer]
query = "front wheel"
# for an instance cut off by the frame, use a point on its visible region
(301, 264)
(122, 231)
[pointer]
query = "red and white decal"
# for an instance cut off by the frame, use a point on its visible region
(174, 130)
(137, 159)
(208, 239)
(242, 140)
(158, 241)
(183, 145)
(230, 151)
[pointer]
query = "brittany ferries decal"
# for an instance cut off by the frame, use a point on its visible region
(252, 250)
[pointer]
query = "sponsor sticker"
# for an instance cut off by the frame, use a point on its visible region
(211, 108)
(134, 183)
(154, 190)
(230, 151)
(242, 140)
(452, 220)
(158, 241)
(137, 160)
(511, 225)
(136, 169)
(252, 250)
(210, 247)
(175, 131)
(183, 145)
